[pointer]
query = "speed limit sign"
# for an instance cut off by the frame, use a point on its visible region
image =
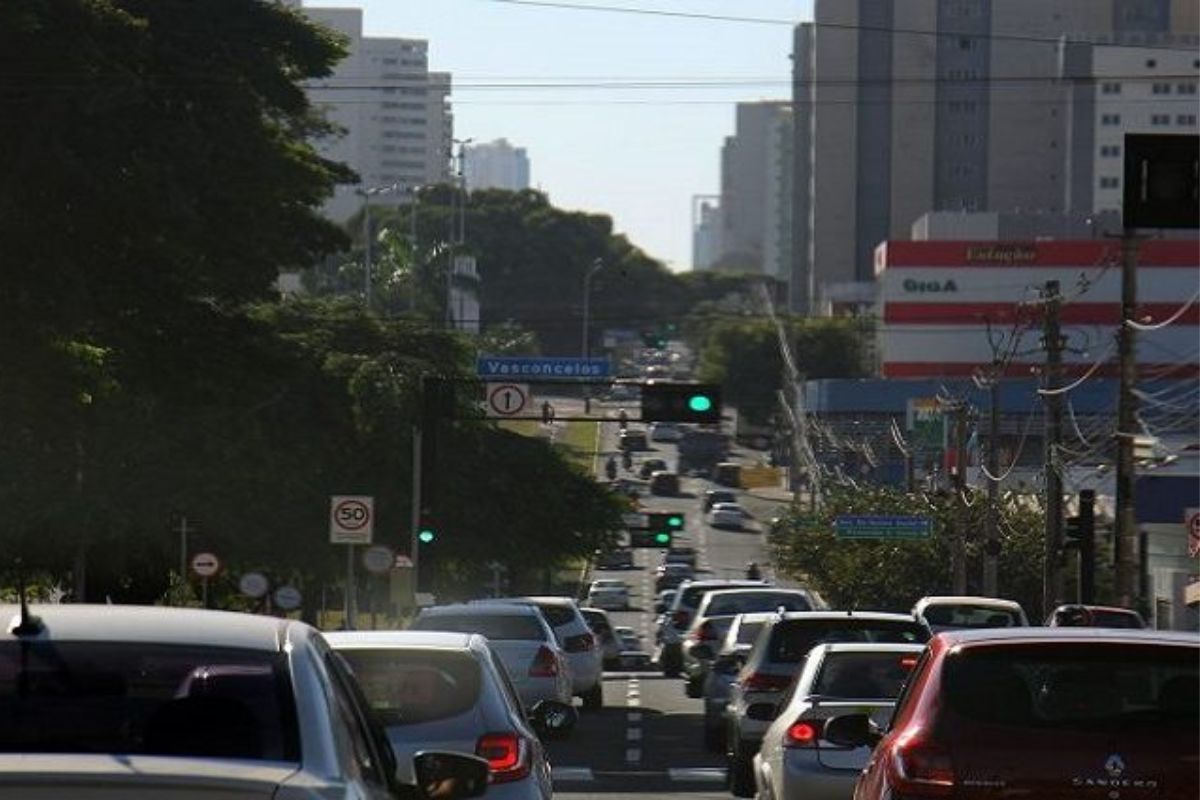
(351, 519)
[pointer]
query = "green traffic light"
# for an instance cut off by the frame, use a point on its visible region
(426, 535)
(662, 538)
(700, 403)
(675, 522)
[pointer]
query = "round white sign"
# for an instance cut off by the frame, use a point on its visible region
(205, 565)
(378, 559)
(254, 584)
(287, 597)
(507, 399)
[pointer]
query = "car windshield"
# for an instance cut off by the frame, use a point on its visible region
(726, 603)
(791, 640)
(500, 627)
(407, 687)
(146, 699)
(862, 675)
(1131, 689)
(971, 616)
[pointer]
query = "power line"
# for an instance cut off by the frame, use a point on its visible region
(693, 15)
(1160, 325)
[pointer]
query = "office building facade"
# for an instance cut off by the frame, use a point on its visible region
(496, 165)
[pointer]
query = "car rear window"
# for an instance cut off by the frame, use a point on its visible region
(748, 632)
(494, 626)
(971, 616)
(792, 639)
(692, 595)
(749, 602)
(558, 615)
(406, 687)
(145, 699)
(1081, 687)
(863, 675)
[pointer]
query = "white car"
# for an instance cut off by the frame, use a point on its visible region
(628, 637)
(664, 432)
(107, 701)
(520, 636)
(728, 515)
(609, 598)
(795, 762)
(947, 613)
(427, 686)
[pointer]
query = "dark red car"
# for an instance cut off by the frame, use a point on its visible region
(1051, 714)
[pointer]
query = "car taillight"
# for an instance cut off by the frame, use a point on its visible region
(765, 682)
(505, 754)
(803, 733)
(544, 665)
(580, 643)
(681, 618)
(707, 632)
(922, 767)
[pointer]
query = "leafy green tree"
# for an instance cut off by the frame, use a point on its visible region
(893, 575)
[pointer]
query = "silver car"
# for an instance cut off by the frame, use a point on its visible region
(795, 762)
(730, 656)
(112, 701)
(678, 618)
(450, 691)
(519, 636)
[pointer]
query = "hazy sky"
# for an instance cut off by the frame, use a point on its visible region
(637, 154)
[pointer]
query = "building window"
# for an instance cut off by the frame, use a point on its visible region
(1185, 119)
(1110, 87)
(1110, 119)
(388, 60)
(1160, 88)
(966, 43)
(1186, 88)
(1160, 119)
(1110, 183)
(1151, 63)
(1110, 151)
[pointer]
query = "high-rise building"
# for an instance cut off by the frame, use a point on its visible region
(910, 106)
(394, 115)
(706, 231)
(496, 165)
(1115, 87)
(756, 198)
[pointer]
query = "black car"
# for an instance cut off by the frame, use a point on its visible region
(714, 496)
(615, 559)
(651, 466)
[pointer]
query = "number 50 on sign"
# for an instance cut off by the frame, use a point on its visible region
(351, 519)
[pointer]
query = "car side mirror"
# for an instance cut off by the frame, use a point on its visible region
(552, 719)
(702, 652)
(763, 712)
(659, 608)
(445, 776)
(852, 730)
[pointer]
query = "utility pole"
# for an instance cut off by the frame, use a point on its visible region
(991, 548)
(958, 553)
(1125, 524)
(1052, 341)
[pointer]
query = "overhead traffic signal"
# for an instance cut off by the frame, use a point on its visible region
(1080, 533)
(659, 531)
(681, 402)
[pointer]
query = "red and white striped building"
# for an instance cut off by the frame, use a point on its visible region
(938, 298)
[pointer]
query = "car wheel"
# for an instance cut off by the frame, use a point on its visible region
(694, 688)
(593, 699)
(741, 774)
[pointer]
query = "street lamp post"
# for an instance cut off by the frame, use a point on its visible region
(458, 220)
(585, 348)
(366, 193)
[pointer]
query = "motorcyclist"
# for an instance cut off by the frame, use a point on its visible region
(623, 419)
(610, 468)
(753, 573)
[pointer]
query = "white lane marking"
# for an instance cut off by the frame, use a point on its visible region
(633, 755)
(633, 735)
(697, 774)
(633, 702)
(573, 774)
(634, 717)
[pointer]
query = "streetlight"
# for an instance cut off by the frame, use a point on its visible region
(366, 193)
(596, 266)
(458, 227)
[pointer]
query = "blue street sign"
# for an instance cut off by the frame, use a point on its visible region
(855, 526)
(549, 369)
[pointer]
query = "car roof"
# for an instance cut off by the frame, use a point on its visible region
(733, 582)
(424, 640)
(154, 625)
(882, 616)
(726, 505)
(1091, 607)
(478, 607)
(868, 647)
(595, 612)
(966, 600)
(543, 599)
(1031, 635)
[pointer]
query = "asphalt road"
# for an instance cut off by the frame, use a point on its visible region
(647, 740)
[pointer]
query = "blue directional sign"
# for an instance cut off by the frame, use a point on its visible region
(855, 526)
(547, 369)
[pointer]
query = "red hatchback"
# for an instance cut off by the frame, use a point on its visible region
(1052, 714)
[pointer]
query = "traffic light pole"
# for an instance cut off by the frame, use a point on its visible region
(1125, 529)
(1052, 573)
(414, 547)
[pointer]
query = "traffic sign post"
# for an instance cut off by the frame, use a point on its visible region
(859, 526)
(205, 565)
(505, 399)
(351, 522)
